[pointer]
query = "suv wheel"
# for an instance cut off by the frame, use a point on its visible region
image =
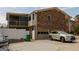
(62, 39)
(50, 38)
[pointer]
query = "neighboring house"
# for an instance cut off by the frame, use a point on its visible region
(76, 21)
(17, 20)
(76, 25)
(46, 20)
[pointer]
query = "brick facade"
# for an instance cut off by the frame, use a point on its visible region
(57, 21)
(48, 20)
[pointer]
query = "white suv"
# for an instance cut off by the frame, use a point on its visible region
(62, 36)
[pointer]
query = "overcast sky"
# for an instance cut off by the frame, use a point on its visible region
(72, 11)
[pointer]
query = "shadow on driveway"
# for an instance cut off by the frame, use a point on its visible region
(64, 42)
(16, 40)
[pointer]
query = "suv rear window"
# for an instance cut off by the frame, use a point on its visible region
(54, 32)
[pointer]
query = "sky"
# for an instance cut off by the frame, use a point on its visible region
(72, 11)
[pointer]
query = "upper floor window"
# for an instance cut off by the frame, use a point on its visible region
(33, 16)
(12, 17)
(49, 17)
(29, 18)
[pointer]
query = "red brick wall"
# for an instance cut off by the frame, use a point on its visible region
(57, 21)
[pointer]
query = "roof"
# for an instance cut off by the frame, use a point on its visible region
(51, 9)
(17, 14)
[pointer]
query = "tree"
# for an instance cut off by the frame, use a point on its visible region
(76, 25)
(77, 17)
(76, 29)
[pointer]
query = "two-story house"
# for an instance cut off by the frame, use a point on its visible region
(46, 20)
(40, 22)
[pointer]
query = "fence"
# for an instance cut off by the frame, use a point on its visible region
(14, 33)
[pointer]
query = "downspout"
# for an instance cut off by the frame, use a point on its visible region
(36, 34)
(8, 19)
(69, 25)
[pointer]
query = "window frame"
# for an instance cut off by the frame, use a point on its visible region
(42, 32)
(33, 16)
(49, 17)
(54, 32)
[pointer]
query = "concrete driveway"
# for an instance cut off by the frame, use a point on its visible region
(45, 45)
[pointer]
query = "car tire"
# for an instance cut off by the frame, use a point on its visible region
(50, 38)
(62, 39)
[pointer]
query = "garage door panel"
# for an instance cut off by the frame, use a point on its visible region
(43, 35)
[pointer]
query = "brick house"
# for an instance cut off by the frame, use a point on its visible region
(17, 20)
(46, 20)
(40, 22)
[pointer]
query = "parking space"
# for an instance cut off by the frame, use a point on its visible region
(45, 45)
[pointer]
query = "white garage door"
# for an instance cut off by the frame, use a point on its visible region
(43, 35)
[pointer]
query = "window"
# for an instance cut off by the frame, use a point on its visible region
(14, 17)
(23, 20)
(33, 16)
(38, 32)
(23, 23)
(54, 32)
(49, 17)
(13, 22)
(42, 32)
(29, 18)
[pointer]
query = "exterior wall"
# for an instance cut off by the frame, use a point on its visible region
(56, 22)
(32, 24)
(41, 24)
